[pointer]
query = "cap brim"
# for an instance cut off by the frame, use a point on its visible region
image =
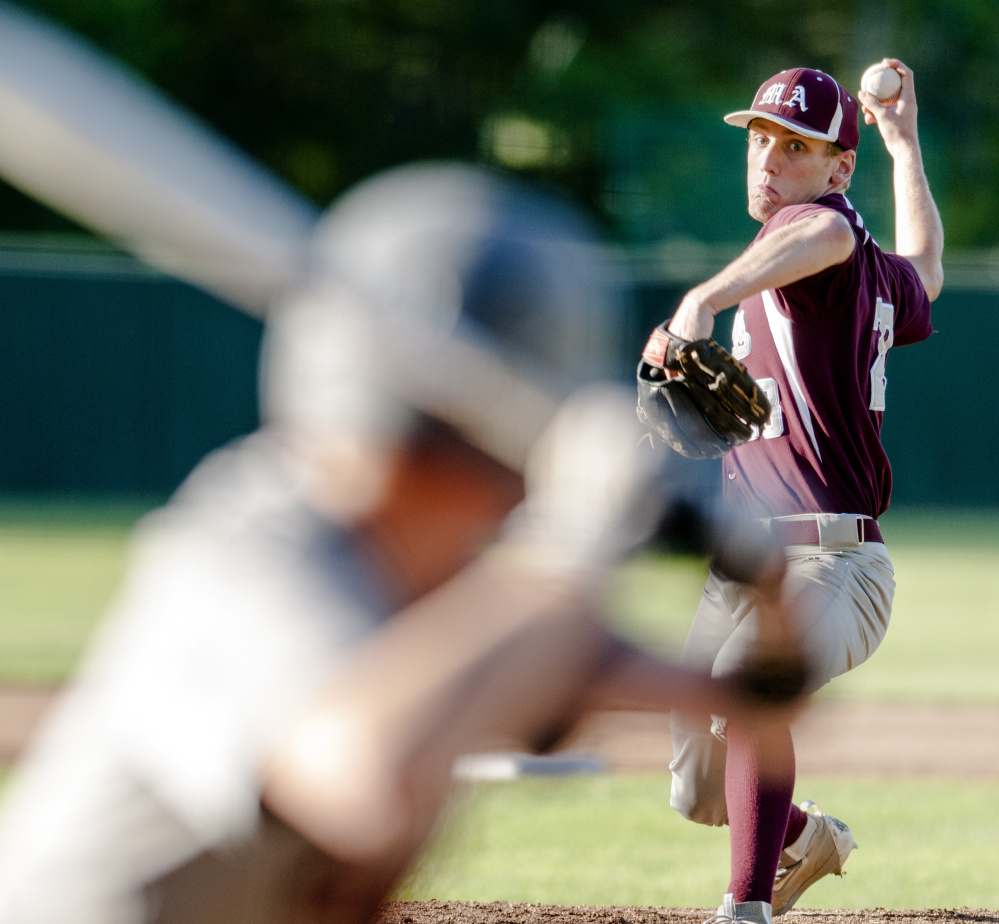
(742, 119)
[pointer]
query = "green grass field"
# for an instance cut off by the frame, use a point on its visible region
(59, 565)
(613, 839)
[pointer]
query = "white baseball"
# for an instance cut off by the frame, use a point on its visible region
(882, 82)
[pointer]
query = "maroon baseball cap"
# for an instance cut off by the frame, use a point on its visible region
(807, 102)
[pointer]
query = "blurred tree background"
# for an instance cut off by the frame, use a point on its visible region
(617, 101)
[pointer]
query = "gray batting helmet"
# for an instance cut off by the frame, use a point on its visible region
(450, 290)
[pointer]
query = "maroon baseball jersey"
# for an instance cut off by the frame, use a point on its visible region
(819, 349)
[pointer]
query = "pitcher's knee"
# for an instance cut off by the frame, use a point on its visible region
(698, 788)
(698, 806)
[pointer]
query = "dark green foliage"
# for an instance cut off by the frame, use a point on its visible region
(328, 91)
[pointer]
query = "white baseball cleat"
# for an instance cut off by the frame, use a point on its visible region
(732, 912)
(823, 848)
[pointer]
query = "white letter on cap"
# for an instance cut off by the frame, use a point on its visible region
(798, 96)
(773, 94)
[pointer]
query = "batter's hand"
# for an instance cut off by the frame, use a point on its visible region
(778, 672)
(590, 487)
(897, 122)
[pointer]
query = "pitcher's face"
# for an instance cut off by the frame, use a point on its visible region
(785, 168)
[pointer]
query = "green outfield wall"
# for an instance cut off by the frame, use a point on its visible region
(115, 379)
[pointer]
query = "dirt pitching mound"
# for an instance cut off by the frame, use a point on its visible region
(504, 913)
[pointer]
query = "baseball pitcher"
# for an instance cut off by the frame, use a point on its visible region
(820, 305)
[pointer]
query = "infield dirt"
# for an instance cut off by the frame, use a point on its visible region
(890, 740)
(503, 913)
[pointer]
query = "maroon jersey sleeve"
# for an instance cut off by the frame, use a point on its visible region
(912, 314)
(836, 283)
(799, 301)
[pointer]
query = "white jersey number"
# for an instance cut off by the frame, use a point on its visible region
(742, 346)
(774, 426)
(884, 332)
(742, 343)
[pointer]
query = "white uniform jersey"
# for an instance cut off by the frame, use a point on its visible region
(238, 606)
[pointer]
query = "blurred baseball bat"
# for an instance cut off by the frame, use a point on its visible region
(91, 139)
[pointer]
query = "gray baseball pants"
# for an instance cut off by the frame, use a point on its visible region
(845, 597)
